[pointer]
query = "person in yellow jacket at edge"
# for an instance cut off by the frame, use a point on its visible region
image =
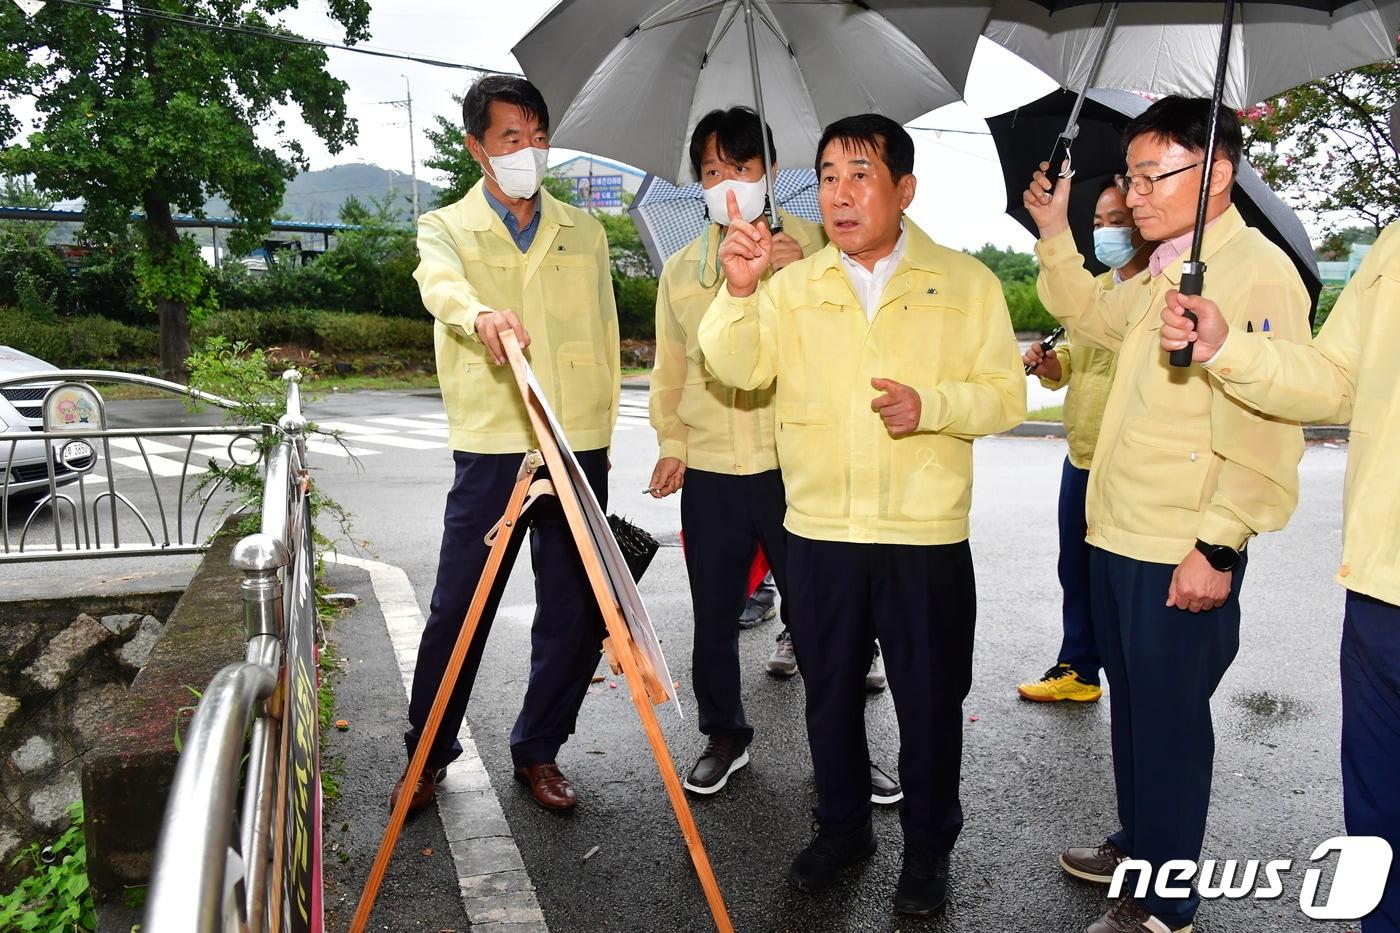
(1347, 375)
(890, 354)
(716, 443)
(508, 256)
(1182, 478)
(1088, 371)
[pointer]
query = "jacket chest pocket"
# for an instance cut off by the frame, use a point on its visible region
(570, 286)
(929, 342)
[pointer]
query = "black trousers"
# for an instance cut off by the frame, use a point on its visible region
(565, 638)
(725, 519)
(1163, 664)
(920, 601)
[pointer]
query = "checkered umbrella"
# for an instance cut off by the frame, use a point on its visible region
(670, 216)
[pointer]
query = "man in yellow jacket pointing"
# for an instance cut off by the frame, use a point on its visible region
(1347, 375)
(890, 355)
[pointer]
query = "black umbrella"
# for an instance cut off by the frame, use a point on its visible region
(1098, 156)
(1155, 61)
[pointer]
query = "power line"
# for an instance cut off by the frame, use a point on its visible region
(288, 38)
(944, 129)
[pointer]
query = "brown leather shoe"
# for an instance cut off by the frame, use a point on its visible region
(547, 785)
(1096, 865)
(1128, 916)
(423, 792)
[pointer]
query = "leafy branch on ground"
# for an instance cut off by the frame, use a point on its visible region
(55, 896)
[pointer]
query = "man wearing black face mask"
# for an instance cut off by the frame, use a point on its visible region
(1088, 371)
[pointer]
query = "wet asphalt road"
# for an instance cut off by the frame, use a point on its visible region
(1035, 778)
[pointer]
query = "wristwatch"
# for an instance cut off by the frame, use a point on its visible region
(1222, 557)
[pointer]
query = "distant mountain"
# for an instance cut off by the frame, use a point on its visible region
(316, 196)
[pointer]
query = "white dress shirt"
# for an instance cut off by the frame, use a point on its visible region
(869, 284)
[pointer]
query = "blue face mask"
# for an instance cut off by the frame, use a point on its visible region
(1113, 246)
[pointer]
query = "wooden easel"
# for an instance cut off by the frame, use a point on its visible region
(621, 650)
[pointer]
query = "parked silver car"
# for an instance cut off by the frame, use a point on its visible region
(24, 463)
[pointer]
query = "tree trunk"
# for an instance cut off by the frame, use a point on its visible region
(162, 238)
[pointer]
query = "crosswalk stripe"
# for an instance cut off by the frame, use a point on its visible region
(334, 449)
(414, 425)
(396, 440)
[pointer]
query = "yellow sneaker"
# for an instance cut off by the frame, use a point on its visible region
(1061, 682)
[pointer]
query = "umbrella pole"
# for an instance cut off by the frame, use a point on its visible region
(773, 224)
(1071, 131)
(1193, 272)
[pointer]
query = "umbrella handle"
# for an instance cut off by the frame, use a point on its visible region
(1061, 152)
(1193, 278)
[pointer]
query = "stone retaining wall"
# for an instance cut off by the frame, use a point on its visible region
(64, 664)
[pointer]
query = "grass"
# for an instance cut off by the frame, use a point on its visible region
(1053, 413)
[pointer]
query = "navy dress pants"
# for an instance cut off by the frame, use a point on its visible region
(920, 601)
(566, 636)
(1371, 737)
(1078, 648)
(1163, 664)
(725, 519)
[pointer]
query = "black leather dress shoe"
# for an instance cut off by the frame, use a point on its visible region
(817, 866)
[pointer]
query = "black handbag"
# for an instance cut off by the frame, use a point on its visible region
(637, 546)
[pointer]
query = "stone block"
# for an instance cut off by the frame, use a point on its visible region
(134, 654)
(48, 806)
(496, 882)
(89, 710)
(482, 856)
(33, 754)
(9, 706)
(16, 638)
(512, 908)
(121, 623)
(66, 653)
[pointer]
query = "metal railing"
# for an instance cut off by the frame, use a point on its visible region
(62, 451)
(250, 862)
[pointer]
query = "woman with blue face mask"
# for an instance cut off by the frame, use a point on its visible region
(1088, 371)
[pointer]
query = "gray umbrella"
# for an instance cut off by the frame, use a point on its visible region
(670, 216)
(630, 78)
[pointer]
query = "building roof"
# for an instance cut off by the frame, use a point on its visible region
(181, 220)
(608, 163)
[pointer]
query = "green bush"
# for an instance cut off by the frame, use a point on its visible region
(636, 306)
(1325, 301)
(327, 332)
(85, 341)
(1027, 313)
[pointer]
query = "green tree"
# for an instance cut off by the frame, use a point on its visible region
(1327, 145)
(451, 158)
(150, 113)
(625, 248)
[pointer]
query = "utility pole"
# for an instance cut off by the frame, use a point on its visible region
(412, 158)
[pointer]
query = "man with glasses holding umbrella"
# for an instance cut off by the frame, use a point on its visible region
(1182, 478)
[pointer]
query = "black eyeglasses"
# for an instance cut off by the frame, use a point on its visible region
(1143, 184)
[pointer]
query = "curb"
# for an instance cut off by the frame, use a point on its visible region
(496, 890)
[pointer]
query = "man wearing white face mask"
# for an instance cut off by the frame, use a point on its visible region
(718, 442)
(508, 256)
(1088, 371)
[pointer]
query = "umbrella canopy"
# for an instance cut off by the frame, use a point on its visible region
(1098, 156)
(670, 216)
(630, 78)
(1171, 48)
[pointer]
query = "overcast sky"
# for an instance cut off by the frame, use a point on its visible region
(960, 198)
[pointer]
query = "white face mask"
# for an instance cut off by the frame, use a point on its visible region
(521, 172)
(751, 195)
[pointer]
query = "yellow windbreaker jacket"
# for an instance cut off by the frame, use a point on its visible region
(1088, 371)
(1347, 374)
(942, 328)
(562, 291)
(1177, 458)
(698, 419)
